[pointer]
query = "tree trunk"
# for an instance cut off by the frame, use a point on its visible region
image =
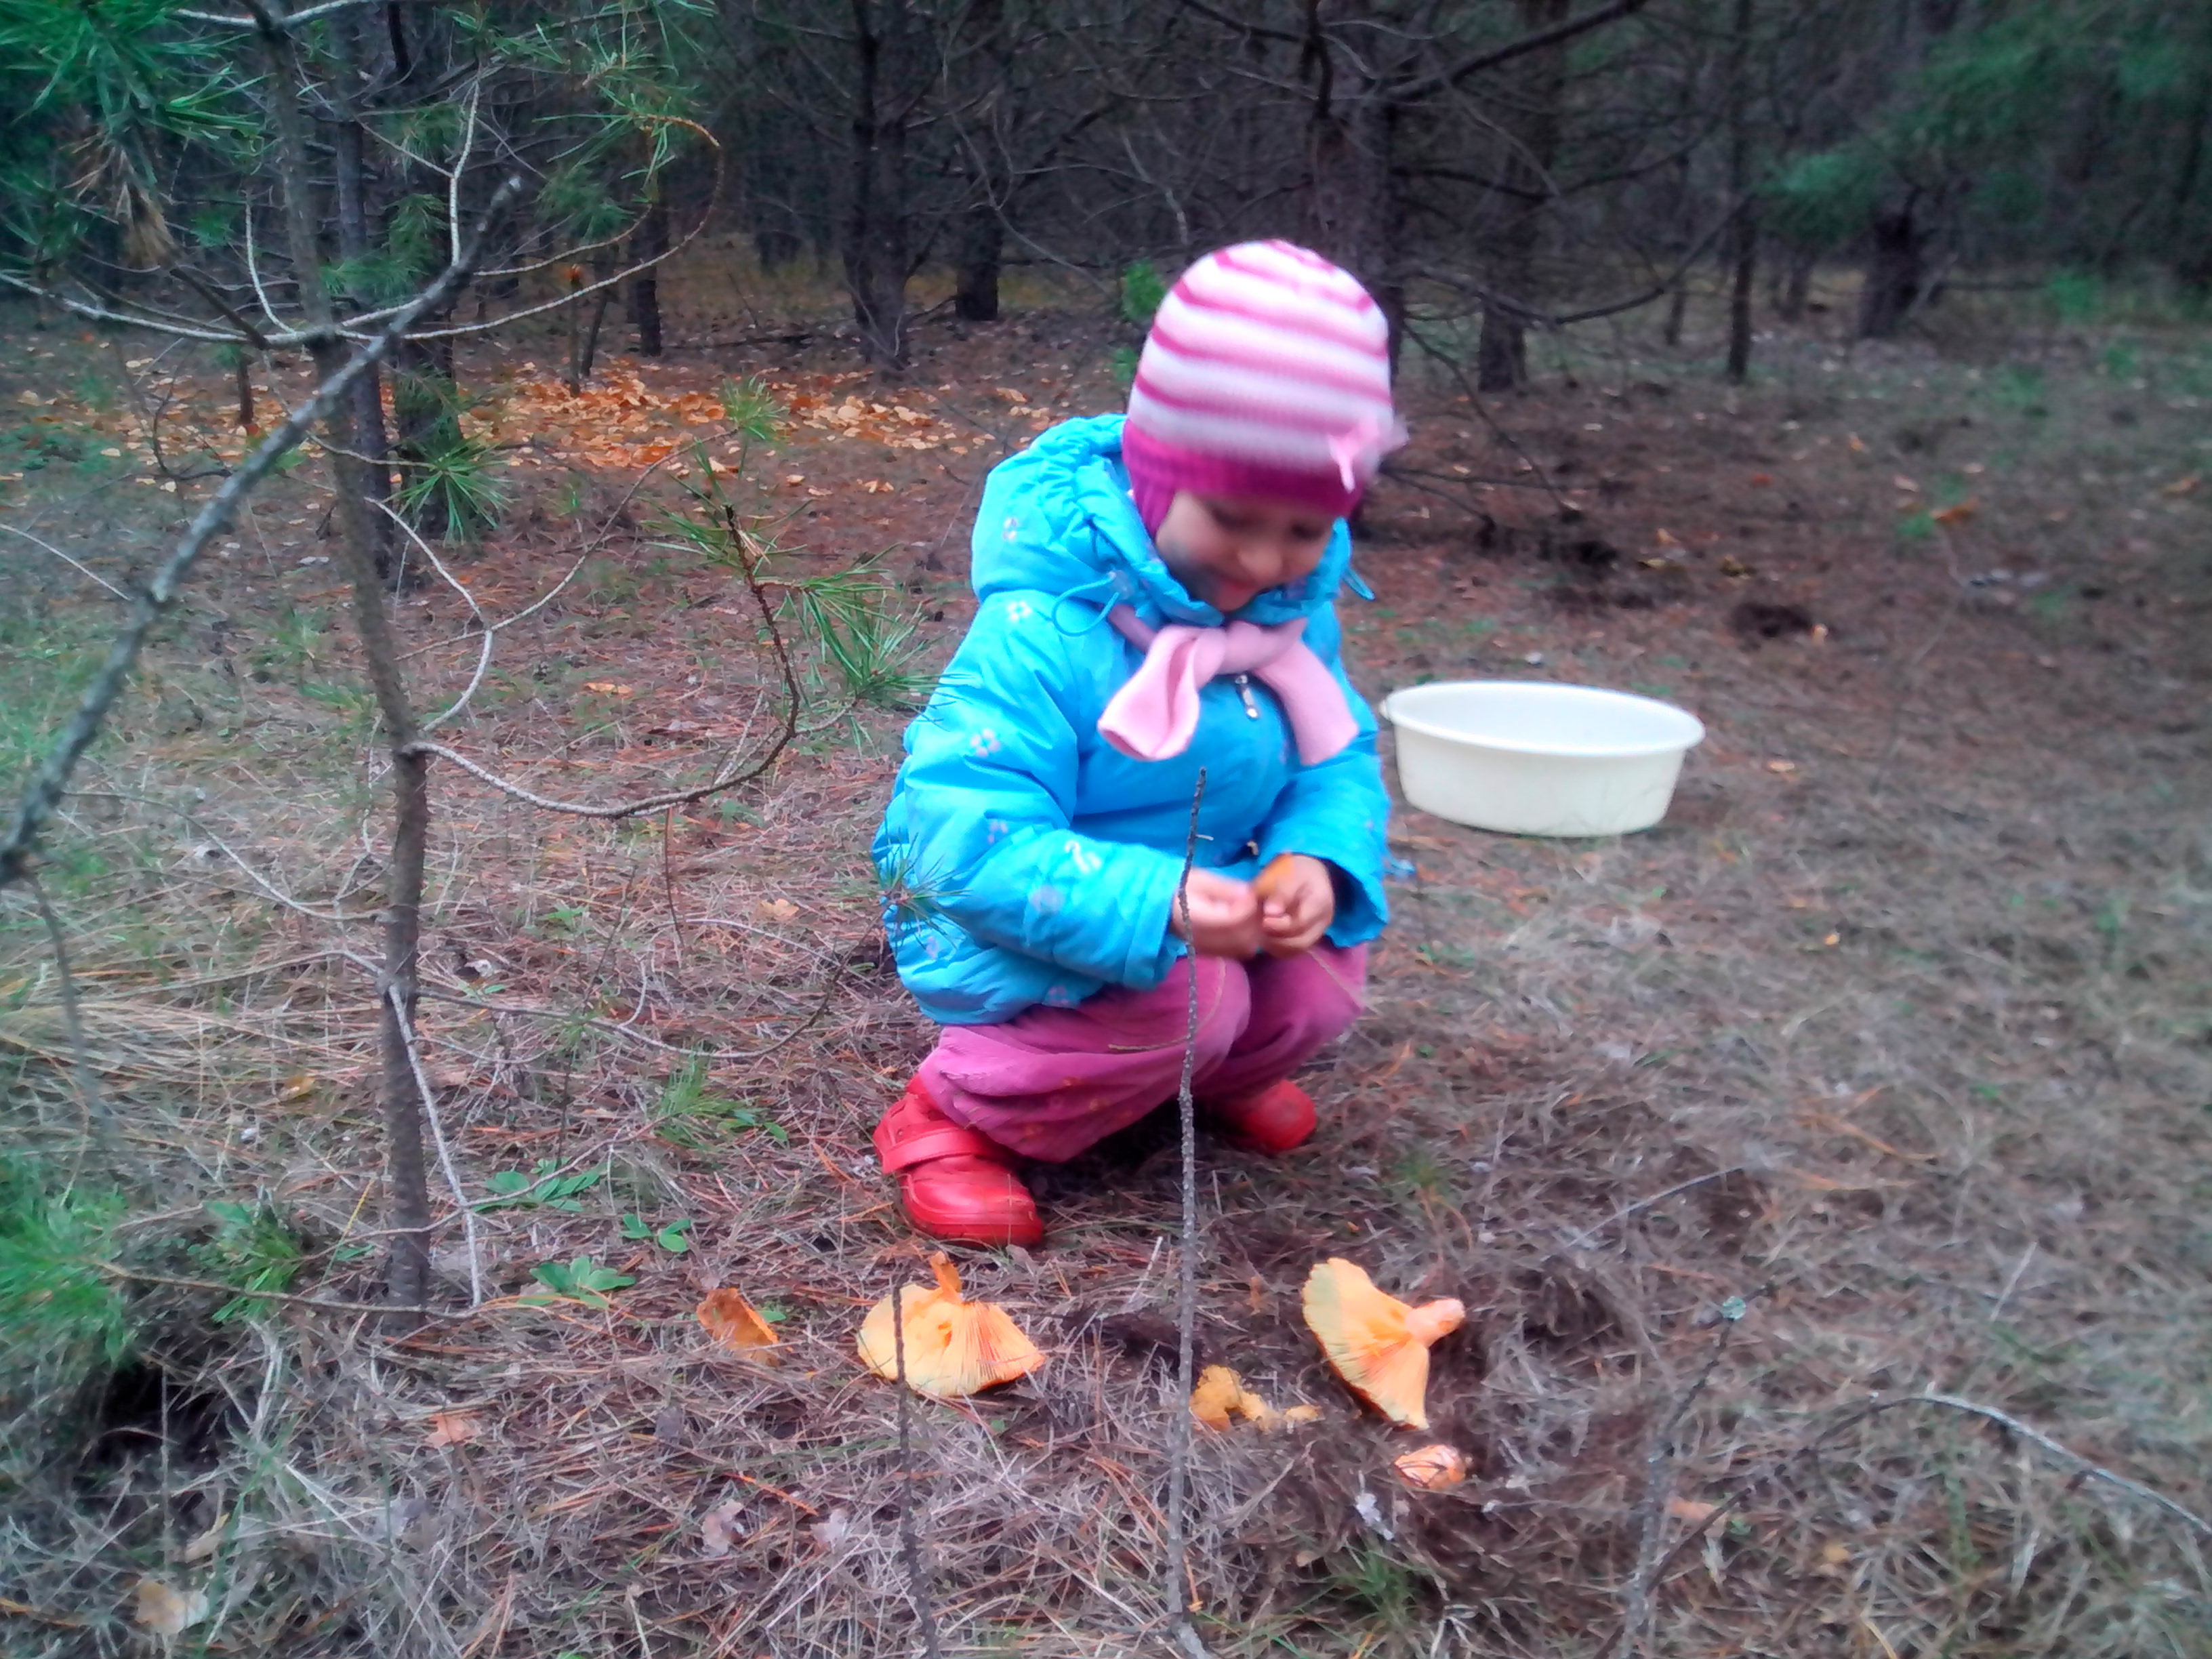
(1895, 270)
(406, 1185)
(1354, 210)
(1743, 231)
(982, 245)
(651, 243)
(357, 241)
(1502, 357)
(877, 230)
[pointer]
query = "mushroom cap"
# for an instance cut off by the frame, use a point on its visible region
(954, 1347)
(734, 1322)
(1432, 1468)
(1266, 884)
(1376, 1342)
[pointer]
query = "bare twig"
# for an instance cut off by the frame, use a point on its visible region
(917, 1569)
(81, 569)
(88, 1082)
(1179, 1585)
(438, 1138)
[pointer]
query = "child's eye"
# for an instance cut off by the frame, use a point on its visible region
(1228, 520)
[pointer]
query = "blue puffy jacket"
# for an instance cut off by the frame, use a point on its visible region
(1027, 860)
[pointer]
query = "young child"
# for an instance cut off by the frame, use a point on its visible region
(1155, 596)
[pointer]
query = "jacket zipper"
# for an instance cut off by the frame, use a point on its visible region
(1243, 685)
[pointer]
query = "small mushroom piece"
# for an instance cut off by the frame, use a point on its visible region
(1377, 1343)
(1269, 882)
(954, 1347)
(734, 1323)
(1221, 1395)
(1432, 1468)
(1216, 1396)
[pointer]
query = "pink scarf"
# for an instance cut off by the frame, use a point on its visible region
(1153, 716)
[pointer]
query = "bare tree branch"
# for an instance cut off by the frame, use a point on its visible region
(51, 782)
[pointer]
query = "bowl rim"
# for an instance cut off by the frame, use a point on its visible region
(1397, 716)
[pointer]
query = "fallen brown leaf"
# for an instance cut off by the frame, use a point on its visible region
(718, 1531)
(452, 1429)
(168, 1612)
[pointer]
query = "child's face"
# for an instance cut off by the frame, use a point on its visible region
(1227, 550)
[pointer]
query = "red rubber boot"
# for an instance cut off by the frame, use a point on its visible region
(1274, 1121)
(953, 1182)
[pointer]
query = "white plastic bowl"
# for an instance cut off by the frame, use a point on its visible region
(1531, 758)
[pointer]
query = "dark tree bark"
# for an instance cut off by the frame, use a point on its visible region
(878, 231)
(1354, 212)
(1743, 233)
(357, 241)
(1502, 355)
(1896, 269)
(982, 249)
(651, 243)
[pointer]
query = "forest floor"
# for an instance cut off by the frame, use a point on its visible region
(1881, 1069)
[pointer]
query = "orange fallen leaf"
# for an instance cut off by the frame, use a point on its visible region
(1690, 1509)
(452, 1429)
(1958, 513)
(1664, 538)
(734, 1323)
(2183, 486)
(1782, 767)
(608, 688)
(778, 909)
(1762, 478)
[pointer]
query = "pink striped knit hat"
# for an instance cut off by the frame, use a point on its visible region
(1267, 372)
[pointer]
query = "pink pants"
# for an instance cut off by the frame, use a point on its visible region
(1051, 1082)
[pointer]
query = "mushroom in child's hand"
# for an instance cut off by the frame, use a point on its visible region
(1268, 884)
(953, 1347)
(1377, 1343)
(1433, 1469)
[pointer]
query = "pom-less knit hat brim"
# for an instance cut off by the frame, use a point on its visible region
(1267, 372)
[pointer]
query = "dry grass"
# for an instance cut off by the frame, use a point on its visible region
(1903, 1046)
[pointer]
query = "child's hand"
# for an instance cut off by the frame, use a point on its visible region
(1299, 905)
(1225, 917)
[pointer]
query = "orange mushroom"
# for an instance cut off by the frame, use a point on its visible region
(734, 1323)
(1268, 883)
(1432, 1468)
(1221, 1395)
(954, 1347)
(1376, 1342)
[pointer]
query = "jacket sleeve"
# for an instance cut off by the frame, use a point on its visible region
(989, 786)
(1338, 810)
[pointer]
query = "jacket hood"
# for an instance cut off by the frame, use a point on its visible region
(1057, 519)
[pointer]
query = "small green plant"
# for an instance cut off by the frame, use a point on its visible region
(691, 1114)
(580, 1279)
(912, 895)
(1143, 289)
(675, 1238)
(64, 1318)
(254, 1251)
(561, 920)
(542, 1188)
(752, 411)
(2076, 295)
